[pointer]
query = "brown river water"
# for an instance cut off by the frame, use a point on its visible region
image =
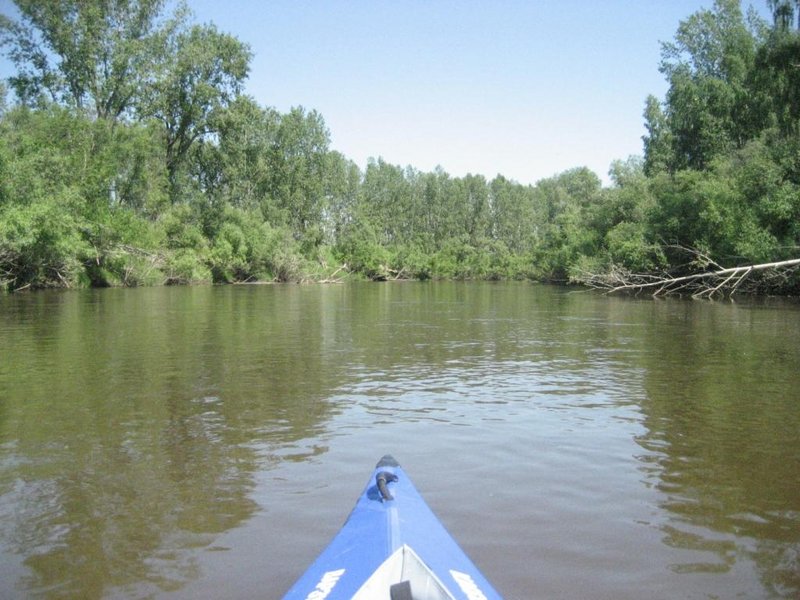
(207, 442)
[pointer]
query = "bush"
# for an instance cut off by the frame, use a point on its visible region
(412, 262)
(627, 246)
(41, 246)
(359, 248)
(185, 266)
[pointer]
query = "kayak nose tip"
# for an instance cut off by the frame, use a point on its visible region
(387, 461)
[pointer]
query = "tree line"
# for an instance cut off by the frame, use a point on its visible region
(130, 156)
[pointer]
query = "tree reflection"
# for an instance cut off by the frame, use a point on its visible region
(91, 512)
(722, 437)
(135, 425)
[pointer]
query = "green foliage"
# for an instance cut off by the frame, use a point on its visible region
(721, 151)
(97, 183)
(775, 81)
(202, 73)
(89, 54)
(41, 244)
(132, 158)
(124, 249)
(298, 177)
(237, 169)
(770, 228)
(183, 266)
(628, 246)
(569, 201)
(706, 109)
(185, 245)
(245, 248)
(455, 259)
(358, 247)
(412, 261)
(514, 221)
(126, 60)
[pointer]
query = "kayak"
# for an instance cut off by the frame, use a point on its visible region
(392, 547)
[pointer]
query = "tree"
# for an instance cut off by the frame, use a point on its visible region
(124, 59)
(298, 178)
(202, 72)
(566, 204)
(343, 184)
(88, 54)
(513, 221)
(3, 101)
(391, 204)
(441, 215)
(234, 165)
(471, 199)
(707, 110)
(775, 80)
(783, 13)
(658, 142)
(58, 223)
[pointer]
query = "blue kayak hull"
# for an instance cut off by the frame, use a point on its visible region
(388, 518)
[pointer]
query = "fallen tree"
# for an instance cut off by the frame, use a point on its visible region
(718, 282)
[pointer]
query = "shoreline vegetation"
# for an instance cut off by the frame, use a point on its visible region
(129, 156)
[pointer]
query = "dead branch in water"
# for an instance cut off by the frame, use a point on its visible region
(332, 277)
(708, 284)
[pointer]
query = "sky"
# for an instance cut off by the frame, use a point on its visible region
(522, 88)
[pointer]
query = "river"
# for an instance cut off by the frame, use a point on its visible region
(207, 442)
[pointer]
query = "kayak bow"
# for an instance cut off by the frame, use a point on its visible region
(392, 547)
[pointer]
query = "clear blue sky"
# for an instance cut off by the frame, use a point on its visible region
(524, 88)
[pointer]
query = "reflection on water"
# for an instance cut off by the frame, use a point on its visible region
(207, 442)
(724, 439)
(125, 443)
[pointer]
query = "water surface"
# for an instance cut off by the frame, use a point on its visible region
(207, 442)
